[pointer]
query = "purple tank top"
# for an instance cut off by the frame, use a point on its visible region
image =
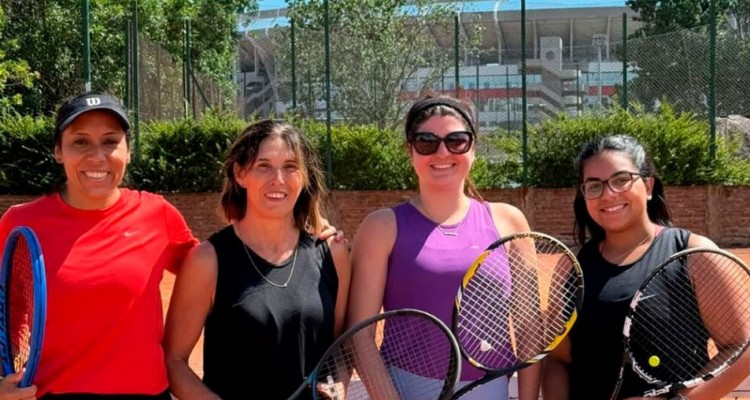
(427, 262)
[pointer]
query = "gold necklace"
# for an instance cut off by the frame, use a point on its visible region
(270, 282)
(628, 251)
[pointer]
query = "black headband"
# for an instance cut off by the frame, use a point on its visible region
(434, 102)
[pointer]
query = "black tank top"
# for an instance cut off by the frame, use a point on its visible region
(596, 338)
(260, 341)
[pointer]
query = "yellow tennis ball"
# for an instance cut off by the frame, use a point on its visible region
(654, 361)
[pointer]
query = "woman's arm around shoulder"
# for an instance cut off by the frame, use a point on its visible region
(508, 219)
(370, 251)
(192, 299)
(342, 262)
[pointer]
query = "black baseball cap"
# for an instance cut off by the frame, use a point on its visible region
(71, 109)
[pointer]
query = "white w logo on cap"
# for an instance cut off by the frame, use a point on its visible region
(93, 101)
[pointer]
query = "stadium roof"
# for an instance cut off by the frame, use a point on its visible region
(575, 22)
(273, 12)
(511, 5)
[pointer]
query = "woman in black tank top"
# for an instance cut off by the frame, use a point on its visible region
(620, 206)
(270, 296)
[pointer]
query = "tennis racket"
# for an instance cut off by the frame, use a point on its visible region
(688, 322)
(516, 304)
(23, 304)
(401, 354)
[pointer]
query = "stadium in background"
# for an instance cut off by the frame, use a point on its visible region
(570, 58)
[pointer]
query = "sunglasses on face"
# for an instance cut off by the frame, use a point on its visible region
(619, 183)
(426, 143)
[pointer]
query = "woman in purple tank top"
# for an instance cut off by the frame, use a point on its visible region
(413, 255)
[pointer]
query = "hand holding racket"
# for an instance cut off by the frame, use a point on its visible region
(516, 304)
(23, 304)
(689, 321)
(401, 354)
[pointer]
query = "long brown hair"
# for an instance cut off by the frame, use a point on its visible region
(431, 105)
(308, 214)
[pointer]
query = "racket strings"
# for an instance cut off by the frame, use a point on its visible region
(549, 269)
(20, 307)
(483, 316)
(560, 285)
(692, 318)
(518, 300)
(408, 354)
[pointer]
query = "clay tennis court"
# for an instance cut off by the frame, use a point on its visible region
(196, 358)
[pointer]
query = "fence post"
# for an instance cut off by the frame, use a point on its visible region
(477, 83)
(128, 64)
(86, 45)
(578, 90)
(524, 128)
(294, 66)
(455, 51)
(712, 78)
(187, 91)
(329, 157)
(507, 95)
(134, 103)
(625, 61)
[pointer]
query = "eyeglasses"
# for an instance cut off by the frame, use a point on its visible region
(426, 143)
(619, 182)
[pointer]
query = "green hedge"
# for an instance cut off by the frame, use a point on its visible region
(363, 156)
(186, 155)
(678, 143)
(27, 164)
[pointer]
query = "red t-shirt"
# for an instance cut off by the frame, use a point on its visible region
(104, 311)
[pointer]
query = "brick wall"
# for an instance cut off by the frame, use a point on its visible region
(719, 212)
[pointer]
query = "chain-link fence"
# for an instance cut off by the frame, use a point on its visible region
(163, 85)
(571, 58)
(578, 59)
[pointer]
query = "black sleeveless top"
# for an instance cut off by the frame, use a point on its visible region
(596, 338)
(260, 341)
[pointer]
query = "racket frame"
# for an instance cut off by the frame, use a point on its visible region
(665, 388)
(492, 373)
(455, 358)
(40, 303)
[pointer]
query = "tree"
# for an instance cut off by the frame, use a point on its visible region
(49, 45)
(375, 46)
(670, 54)
(214, 35)
(667, 16)
(12, 72)
(50, 33)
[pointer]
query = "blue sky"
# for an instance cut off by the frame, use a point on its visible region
(271, 4)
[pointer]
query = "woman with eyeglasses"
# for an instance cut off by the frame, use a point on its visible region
(414, 254)
(621, 208)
